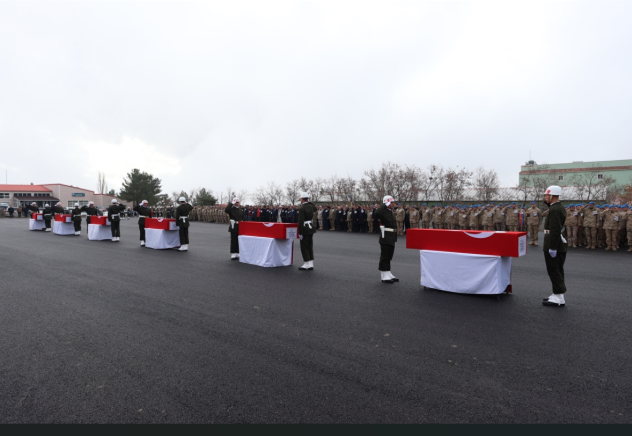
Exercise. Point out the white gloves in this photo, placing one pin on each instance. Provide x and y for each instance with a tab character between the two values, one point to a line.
300	237
553	253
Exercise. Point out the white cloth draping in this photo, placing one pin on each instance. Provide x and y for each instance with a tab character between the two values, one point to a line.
36	225
465	273
99	233
161	239
266	252
60	228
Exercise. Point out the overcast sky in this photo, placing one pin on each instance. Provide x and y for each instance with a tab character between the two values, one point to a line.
217	93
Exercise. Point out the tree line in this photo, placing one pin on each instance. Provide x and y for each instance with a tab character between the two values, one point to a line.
406	183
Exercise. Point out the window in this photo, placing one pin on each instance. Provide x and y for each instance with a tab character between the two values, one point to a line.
600	176
4	195
560	177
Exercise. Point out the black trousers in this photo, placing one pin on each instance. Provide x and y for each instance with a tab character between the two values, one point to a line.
307	247
386	255
234	243
47	223
141	228
77	226
116	229
555	268
183	232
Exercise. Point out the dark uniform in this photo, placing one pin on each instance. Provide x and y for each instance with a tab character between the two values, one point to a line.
90	211
76	218
58	210
553	241
31	208
48	215
386	218
307	228
145	212
114	215
235	214
182	221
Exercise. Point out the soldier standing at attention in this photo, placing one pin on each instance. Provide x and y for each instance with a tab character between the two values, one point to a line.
143	212
400	216
534	219
413	217
513	219
437	217
487	220
114	215
388	237
462	218
555	246
591	218
76	219
90	210
182	221
426	216
306	230
235	214
571	226
48	214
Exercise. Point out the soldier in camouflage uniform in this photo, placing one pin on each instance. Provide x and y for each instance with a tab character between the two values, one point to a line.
438	217
426	216
591	218
610	225
487	218
513	218
534	220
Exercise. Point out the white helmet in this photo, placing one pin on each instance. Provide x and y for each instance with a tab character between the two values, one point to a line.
34	204
304	194
58	203
554	190
91	203
114	201
144	202
236	200
181	199
388	200
47	205
76	204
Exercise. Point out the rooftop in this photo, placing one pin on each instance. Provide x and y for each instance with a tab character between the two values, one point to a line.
25	188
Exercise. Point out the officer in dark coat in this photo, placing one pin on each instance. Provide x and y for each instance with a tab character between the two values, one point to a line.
144	212
388	237
326	210
47	216
90	210
31	209
58	210
555	246
76	219
114	215
306	228
235	215
182	221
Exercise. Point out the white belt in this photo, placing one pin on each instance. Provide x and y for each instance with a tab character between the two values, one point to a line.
232	224
115	214
308	223
385	229
183	217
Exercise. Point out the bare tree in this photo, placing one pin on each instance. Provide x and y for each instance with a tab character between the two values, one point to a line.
329	189
452	183
292	190
487	184
102	184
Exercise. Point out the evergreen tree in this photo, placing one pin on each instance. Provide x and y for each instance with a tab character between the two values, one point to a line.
139	186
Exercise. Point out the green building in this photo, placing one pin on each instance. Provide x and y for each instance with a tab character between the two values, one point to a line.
614	172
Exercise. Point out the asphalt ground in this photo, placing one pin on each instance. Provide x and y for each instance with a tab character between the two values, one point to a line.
96	331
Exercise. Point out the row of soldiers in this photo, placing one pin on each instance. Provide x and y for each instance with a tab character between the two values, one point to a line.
588	225
596	226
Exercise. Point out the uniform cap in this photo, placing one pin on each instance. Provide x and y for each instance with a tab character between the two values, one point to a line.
144	202
181	199
92	203
387	200
114	201
513	202
304	194
533	202
76	204
47	205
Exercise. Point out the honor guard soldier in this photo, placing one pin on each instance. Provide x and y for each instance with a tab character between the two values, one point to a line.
58	210
143	212
90	210
114	215
235	214
306	230
388	237
555	246
182	221
76	219
31	209
48	215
